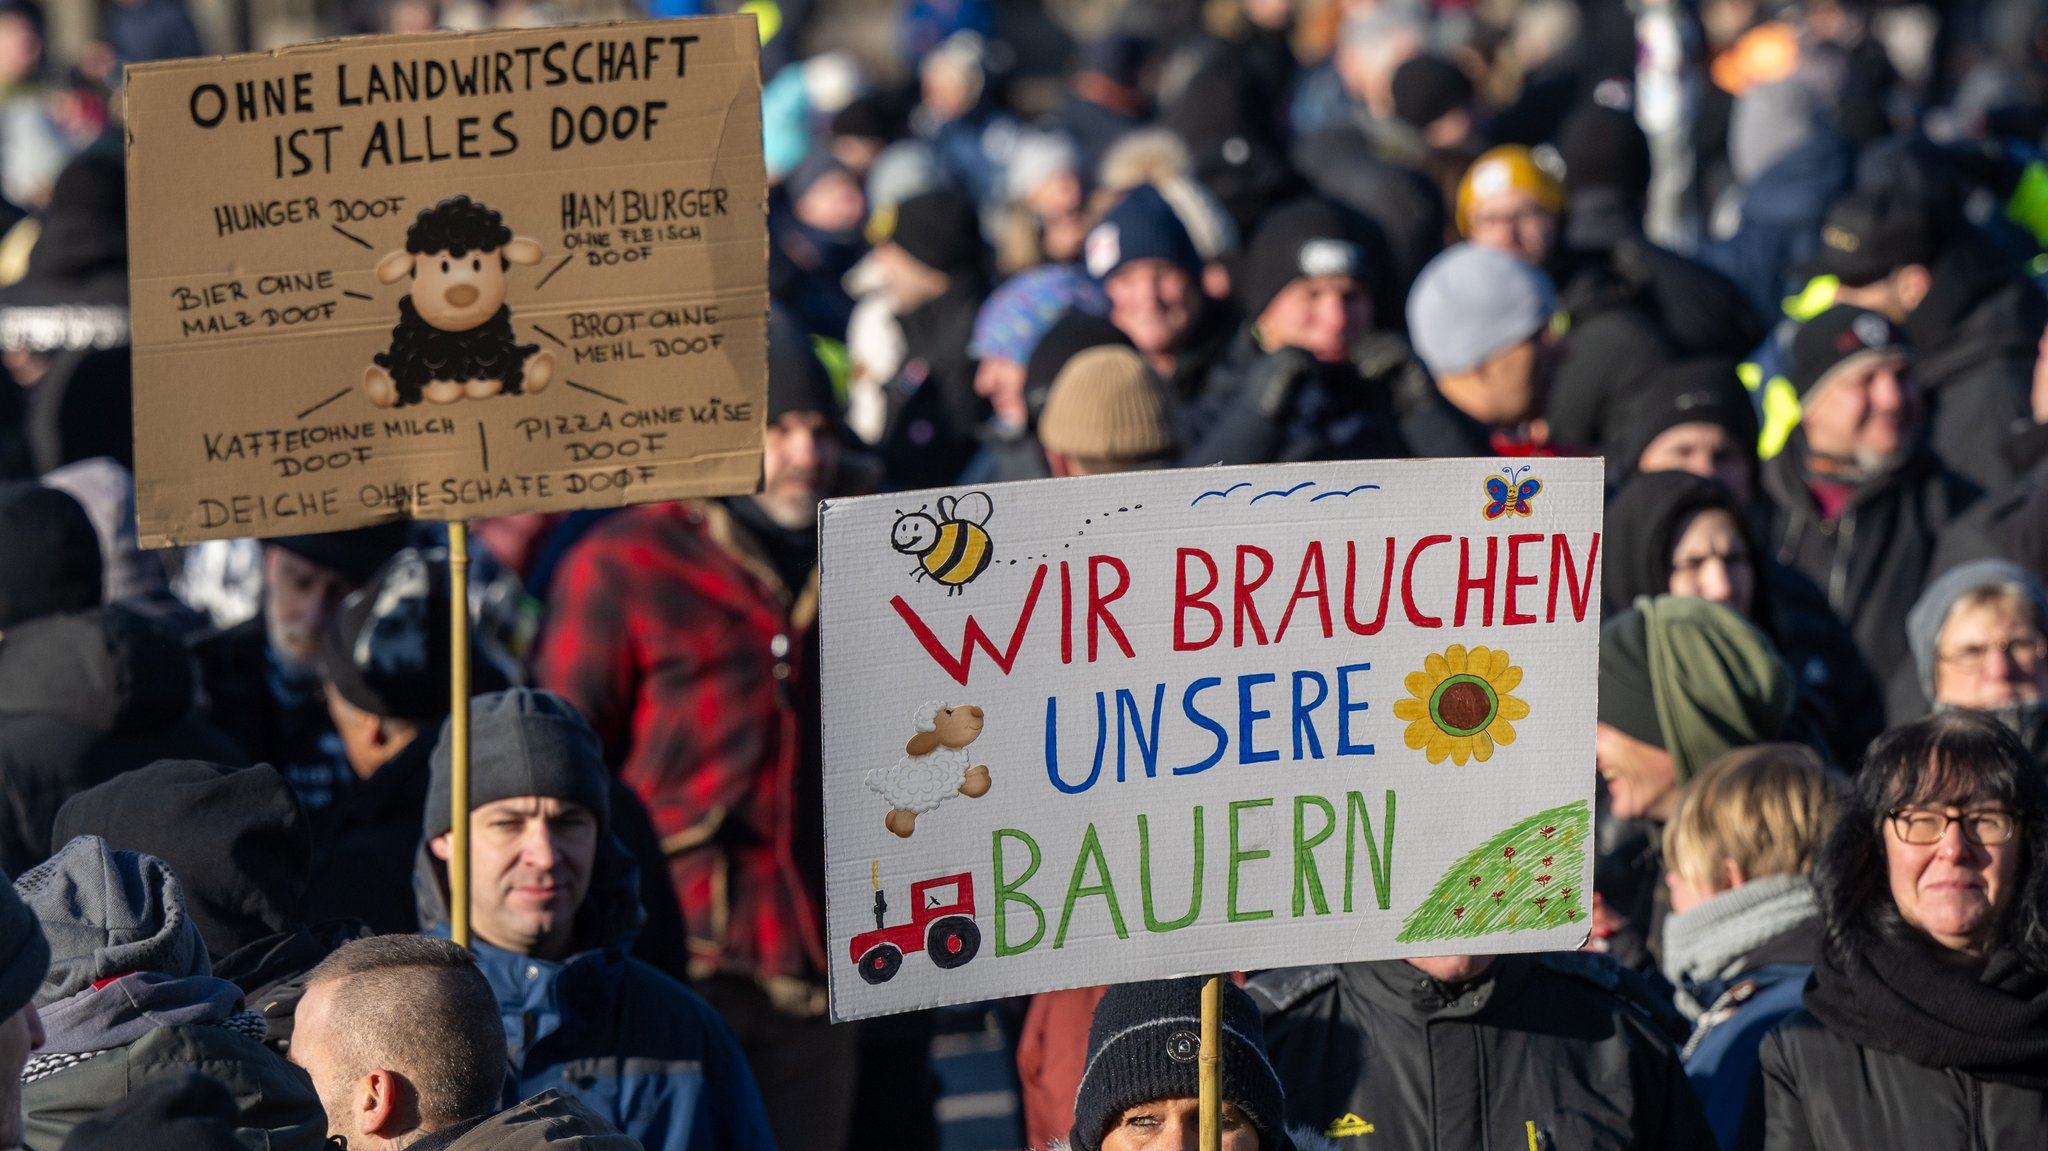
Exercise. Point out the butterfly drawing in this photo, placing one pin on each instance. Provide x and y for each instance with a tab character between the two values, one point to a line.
1510	496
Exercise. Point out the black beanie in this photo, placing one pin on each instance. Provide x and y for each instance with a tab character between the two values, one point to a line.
182	1109
868	117
1144	1045
51	554
1069	336
940	229
1604	147
1833	338
353	555
797	381
235	837
1705	391
522	742
1626	700
24	953
1307	237
1428	88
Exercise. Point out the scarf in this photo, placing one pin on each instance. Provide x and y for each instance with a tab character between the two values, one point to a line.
1898	996
1712	941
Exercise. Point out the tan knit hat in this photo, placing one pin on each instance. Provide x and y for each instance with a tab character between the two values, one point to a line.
1107	405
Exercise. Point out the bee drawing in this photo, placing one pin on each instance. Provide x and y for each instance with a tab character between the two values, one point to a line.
952	547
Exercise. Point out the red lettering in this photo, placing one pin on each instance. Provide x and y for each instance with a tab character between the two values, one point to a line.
1066	613
1241	604
1182	601
972	636
1351	588
1511	617
1098	604
1561	560
1484	582
1311	564
1415	615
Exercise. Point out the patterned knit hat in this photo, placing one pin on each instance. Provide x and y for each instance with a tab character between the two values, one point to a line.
1107	405
1144	1045
1016	315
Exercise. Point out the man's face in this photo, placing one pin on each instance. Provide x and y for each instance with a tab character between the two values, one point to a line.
799	462
20	1034
834	203
1513	222
1868	412
1987	657
1174	1125
1321	315
1705	450
1642	778
300	597
313	1049
1154	303
1516	381
21	50
530	863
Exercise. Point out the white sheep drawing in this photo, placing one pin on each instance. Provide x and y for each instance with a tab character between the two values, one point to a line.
935	766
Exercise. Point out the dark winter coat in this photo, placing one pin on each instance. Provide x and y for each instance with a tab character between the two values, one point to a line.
1568	1042
277	718
1284	407
635	1046
83	697
934	412
1975	338
1872	561
1781	220
363	857
550	1121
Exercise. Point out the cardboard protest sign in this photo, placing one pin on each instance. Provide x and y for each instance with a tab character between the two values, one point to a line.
1085	731
445	276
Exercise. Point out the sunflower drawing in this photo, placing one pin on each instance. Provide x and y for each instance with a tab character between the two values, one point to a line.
1458	706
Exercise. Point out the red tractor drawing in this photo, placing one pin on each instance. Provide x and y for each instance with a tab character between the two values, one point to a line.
941	925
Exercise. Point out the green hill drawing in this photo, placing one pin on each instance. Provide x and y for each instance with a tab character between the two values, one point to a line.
1525	879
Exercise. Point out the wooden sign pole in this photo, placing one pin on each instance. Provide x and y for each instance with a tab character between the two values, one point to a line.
458	730
1210	1066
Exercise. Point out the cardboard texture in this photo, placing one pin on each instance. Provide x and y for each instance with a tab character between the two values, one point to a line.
1085	731
319	346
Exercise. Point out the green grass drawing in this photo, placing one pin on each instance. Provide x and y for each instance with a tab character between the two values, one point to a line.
1527	878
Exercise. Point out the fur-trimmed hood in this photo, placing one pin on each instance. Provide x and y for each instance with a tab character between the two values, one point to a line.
1303	1139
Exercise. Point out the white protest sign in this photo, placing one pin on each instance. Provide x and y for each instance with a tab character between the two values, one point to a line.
1086	731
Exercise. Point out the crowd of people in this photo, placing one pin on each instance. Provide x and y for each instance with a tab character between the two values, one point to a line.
1781	264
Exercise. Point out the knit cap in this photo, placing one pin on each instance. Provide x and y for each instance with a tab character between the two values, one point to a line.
797	381
1837	339
1107	405
940	230
1705	391
1692	677
1930	611
1471	303
1145	1044
1017	315
522	742
1427	88
1143	226
24	954
1036	158
1498	171
354	555
1308	237
1605	147
107	913
52	554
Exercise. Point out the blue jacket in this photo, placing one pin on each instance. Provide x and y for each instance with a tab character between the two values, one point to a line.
1722	1054
629	1042
1782	214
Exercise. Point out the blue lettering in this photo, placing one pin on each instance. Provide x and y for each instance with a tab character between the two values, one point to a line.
1187	704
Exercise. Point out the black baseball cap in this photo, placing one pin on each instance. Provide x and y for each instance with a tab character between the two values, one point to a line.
1870	235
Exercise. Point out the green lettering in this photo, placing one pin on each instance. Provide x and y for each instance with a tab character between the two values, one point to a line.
1382	861
1091	848
1006	892
1152	922
1308	886
1237	857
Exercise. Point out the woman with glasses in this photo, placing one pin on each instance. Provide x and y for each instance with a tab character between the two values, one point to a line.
1978	642
1926	1022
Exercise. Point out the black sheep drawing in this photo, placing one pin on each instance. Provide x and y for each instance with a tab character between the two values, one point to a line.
454	335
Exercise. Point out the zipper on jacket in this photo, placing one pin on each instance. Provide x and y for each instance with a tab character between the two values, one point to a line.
1976	1099
1838	573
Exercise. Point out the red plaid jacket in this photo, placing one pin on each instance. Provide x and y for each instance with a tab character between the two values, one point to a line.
671	631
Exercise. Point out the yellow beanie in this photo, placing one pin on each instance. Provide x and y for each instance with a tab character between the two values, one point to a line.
1508	168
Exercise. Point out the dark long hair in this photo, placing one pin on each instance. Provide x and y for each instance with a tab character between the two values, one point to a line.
1944	759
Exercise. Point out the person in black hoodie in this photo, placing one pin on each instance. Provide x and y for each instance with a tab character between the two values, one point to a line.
933	271
1857	498
1926	1022
86	691
1967	305
237	840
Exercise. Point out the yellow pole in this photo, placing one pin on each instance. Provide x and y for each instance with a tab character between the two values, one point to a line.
1210	1066
458	730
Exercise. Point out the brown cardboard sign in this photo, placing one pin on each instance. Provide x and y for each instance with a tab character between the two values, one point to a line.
446	276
